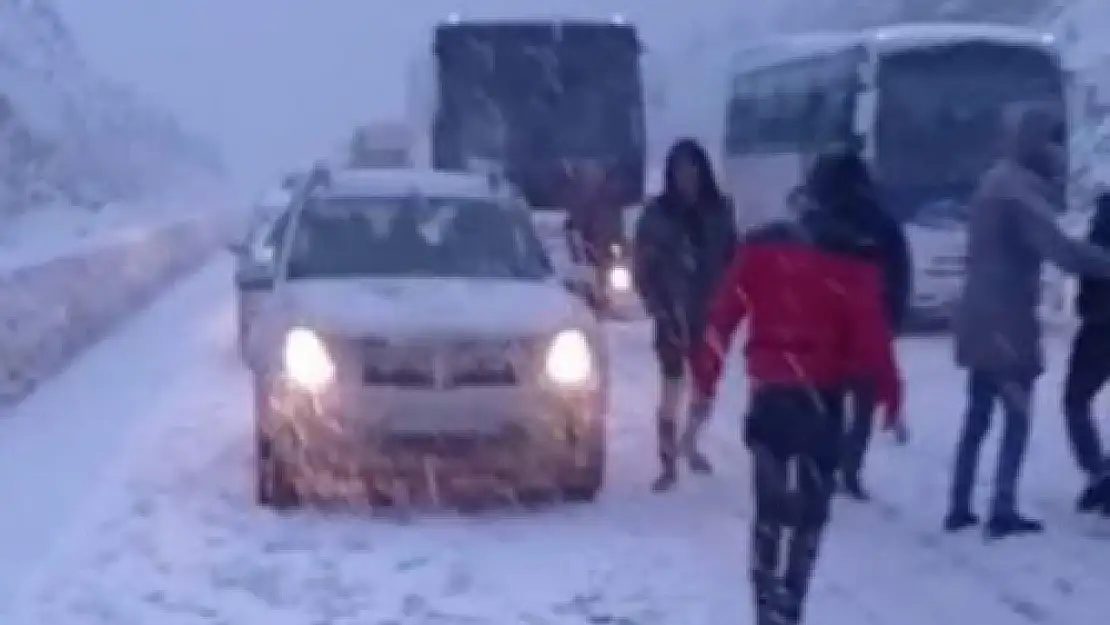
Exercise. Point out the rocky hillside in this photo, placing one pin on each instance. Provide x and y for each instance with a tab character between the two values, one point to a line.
67	135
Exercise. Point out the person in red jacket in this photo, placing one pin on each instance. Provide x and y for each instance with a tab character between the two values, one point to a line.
813	302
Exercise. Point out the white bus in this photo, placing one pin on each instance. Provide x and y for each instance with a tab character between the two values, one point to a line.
923	104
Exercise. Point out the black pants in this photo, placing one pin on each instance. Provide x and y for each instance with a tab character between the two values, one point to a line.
794	436
1088	371
861	423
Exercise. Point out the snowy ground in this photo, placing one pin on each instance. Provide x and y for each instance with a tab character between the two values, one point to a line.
151	428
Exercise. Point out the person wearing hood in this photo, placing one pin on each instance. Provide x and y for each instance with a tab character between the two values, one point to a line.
1088	372
684	241
1012	231
840	184
813	301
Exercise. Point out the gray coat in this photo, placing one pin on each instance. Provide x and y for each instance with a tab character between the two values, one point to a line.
1012	230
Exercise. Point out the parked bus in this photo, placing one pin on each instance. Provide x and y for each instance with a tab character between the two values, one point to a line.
532	97
923	103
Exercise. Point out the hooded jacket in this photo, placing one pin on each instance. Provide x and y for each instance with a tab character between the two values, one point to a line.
1012	230
813	303
681	250
841	185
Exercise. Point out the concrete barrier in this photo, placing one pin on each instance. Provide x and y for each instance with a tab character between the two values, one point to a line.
50	312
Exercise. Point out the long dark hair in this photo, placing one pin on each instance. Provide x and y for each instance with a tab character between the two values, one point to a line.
689	149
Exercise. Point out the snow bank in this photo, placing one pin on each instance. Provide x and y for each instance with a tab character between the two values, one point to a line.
52	309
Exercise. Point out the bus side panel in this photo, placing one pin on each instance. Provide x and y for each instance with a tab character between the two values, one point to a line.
760	185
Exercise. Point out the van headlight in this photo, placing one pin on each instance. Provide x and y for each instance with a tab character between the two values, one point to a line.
570	359
620	279
307	361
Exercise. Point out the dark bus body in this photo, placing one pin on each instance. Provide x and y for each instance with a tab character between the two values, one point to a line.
538	96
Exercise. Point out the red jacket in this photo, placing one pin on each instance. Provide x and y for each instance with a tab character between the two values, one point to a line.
814	306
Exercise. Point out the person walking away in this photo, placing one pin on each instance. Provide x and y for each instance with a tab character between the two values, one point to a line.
684	241
1012	231
841	184
1088	371
814	310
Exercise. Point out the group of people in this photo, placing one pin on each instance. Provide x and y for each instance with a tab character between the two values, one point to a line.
824	294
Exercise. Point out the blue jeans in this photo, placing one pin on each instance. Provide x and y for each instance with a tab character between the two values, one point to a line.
1015	395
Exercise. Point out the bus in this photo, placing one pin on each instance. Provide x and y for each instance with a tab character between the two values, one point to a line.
529	98
922	103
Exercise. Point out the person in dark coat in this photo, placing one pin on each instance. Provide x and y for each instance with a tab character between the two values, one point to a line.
813	303
684	241
1088	372
840	183
1012	231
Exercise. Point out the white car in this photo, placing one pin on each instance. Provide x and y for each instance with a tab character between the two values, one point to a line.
254	261
416	329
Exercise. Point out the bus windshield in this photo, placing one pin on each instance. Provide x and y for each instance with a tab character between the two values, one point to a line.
939	115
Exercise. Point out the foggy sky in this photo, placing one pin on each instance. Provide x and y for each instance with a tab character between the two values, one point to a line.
278	82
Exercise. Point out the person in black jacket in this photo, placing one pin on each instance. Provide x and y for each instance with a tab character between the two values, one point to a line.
840	183
1088	371
684	242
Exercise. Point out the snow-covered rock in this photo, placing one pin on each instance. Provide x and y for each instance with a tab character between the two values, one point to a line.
69	136
51	311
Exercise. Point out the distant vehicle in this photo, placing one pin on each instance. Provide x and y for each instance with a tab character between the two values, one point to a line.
532	97
923	104
380	145
416	327
254	258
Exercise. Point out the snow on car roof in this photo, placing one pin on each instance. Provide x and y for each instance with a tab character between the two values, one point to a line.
884	40
399	182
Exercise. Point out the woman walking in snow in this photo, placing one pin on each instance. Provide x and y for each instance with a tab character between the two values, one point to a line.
684	241
814	306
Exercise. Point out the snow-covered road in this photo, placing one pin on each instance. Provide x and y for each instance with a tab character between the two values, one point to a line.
127	502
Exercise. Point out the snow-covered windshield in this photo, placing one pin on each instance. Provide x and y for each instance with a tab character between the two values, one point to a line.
534	95
939	113
395	237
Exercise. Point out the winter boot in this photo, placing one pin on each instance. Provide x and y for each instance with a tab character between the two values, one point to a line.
688	445
667	426
958	520
1012	524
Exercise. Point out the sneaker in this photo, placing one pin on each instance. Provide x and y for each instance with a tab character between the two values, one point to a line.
1093	496
960	520
1007	525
